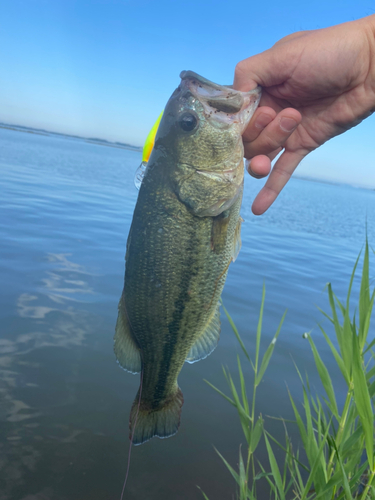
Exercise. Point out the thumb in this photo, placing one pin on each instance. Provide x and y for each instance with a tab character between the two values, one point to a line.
269	68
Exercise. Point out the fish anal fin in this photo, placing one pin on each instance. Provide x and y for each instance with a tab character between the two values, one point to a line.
208	340
162	422
237	240
126	350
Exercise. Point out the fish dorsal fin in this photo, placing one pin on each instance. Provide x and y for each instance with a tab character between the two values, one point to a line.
208	340
127	353
237	240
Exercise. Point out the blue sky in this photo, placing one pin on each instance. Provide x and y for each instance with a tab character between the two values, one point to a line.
106	68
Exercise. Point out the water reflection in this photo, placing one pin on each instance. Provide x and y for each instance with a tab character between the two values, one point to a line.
51	318
64	280
25	310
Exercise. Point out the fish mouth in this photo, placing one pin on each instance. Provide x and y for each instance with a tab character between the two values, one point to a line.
221	102
229	175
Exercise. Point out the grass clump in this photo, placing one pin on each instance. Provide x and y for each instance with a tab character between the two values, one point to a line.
338	443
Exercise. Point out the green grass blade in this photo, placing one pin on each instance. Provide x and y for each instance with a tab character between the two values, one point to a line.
343	333
338	328
243	478
362	401
267	355
294	458
367	320
364	298
275	470
348	331
259	330
221	393
243	387
352	443
351	281
245	418
312	449
336	481
268	479
345	482
203	493
324	377
256	434
341	307
234	328
229	467
338	358
368	348
326	315
300	424
371	389
313	473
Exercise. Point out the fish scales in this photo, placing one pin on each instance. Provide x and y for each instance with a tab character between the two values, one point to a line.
175	285
184	234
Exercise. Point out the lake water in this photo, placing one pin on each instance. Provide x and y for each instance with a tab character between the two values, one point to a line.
65	210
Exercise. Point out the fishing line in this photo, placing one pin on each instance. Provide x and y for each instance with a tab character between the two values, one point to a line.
136	417
131	439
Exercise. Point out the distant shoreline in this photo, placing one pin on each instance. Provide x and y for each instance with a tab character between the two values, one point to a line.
91	140
122	145
331	182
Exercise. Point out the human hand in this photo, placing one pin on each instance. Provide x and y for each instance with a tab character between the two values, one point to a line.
316	85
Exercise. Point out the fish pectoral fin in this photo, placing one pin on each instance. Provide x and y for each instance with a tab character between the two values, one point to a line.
208	340
126	350
219	231
237	240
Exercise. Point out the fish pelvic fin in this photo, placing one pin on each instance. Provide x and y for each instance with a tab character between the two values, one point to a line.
126	350
146	423
208	340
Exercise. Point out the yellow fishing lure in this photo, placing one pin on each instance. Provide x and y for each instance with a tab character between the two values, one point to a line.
147	149
150	141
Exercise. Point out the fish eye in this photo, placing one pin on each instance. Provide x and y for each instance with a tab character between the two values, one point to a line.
188	122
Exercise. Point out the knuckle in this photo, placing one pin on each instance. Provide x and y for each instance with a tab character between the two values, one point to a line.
240	70
270	144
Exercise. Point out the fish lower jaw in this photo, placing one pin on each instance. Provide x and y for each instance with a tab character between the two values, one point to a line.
234	175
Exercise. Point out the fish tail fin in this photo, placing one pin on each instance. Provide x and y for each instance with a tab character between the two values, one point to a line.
146	423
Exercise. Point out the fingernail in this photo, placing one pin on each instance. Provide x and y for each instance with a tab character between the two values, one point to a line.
288	124
248	168
262	121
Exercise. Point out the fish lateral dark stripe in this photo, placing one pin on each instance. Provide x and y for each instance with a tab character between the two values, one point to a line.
174	326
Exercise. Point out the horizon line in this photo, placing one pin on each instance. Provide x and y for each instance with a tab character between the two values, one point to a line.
98	140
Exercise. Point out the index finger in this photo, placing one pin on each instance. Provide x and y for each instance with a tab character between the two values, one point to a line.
279	176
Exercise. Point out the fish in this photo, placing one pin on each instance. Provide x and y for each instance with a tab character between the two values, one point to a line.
184	234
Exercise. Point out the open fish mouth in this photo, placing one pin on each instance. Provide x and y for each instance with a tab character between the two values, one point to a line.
222	102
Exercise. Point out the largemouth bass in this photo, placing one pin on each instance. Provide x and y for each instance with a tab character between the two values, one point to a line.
184	234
